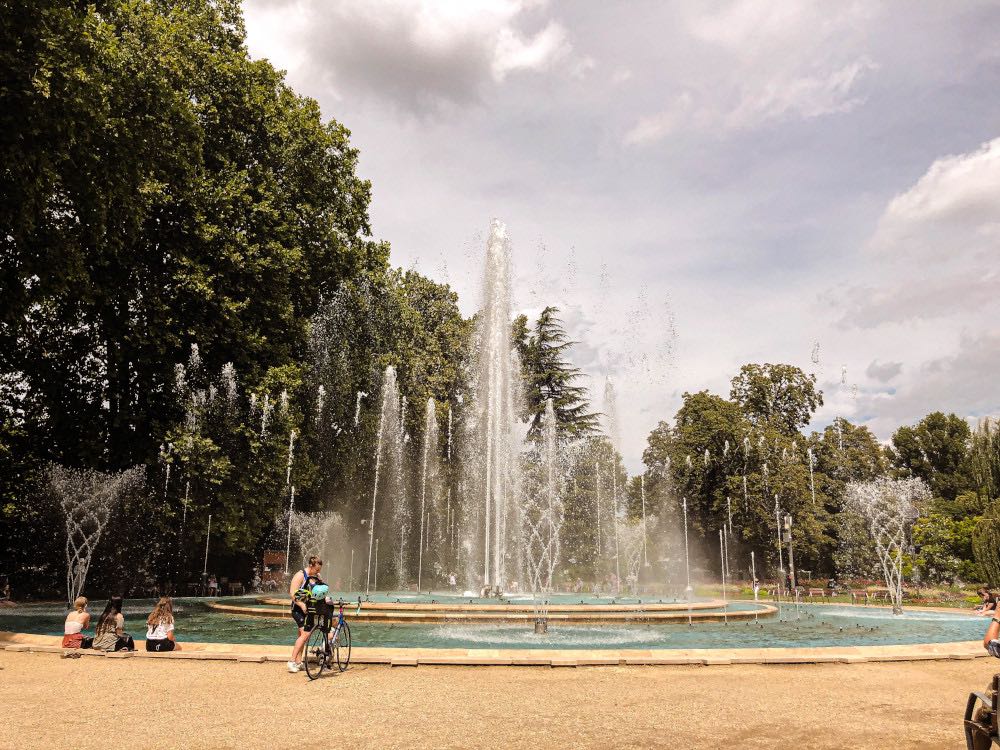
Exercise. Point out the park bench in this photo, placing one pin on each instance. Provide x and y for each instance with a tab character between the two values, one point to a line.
863	596
821	593
981	720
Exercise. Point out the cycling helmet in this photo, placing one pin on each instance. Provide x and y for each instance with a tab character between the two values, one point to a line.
320	590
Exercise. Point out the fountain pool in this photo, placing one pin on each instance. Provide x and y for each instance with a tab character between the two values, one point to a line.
812	626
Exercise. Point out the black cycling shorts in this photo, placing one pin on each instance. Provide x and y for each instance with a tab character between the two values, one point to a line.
304	621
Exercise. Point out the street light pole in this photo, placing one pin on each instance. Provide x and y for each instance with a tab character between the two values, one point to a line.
791	552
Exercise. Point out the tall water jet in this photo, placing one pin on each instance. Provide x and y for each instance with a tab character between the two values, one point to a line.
543	507
388	458
428	484
86	499
492	473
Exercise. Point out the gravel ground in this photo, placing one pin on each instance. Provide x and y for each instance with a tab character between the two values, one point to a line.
50	702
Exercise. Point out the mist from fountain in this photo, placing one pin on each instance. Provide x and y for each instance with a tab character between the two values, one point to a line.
314	531
87	499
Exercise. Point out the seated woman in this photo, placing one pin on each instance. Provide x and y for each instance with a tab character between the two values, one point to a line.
160	627
110	635
989	605
76	622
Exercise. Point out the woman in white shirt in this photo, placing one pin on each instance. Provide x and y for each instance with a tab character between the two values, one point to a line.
76	622
160	627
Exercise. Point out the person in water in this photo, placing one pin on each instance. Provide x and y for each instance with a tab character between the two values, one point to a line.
989	603
110	635
76	622
299	589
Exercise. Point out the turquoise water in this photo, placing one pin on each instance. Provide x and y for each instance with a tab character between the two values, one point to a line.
812	625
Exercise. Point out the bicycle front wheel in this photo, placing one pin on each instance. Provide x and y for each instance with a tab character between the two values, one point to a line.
342	647
316	654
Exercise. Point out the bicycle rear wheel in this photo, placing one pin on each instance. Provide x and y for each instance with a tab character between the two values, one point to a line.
342	647
316	656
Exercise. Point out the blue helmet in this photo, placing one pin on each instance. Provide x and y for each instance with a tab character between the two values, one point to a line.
320	590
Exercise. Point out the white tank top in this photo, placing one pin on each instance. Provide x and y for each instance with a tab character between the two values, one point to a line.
73	627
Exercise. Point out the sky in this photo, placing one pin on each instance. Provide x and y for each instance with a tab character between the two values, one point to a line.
695	185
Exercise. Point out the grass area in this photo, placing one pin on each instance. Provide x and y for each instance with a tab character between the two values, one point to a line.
945	597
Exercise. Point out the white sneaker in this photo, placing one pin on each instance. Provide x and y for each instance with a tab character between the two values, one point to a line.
294	666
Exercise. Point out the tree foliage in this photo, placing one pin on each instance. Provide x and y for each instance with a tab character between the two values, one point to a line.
549	374
935	450
782	395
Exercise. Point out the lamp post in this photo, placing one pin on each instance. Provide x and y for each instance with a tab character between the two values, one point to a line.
791	552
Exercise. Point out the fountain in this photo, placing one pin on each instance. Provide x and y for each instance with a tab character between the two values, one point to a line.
491	469
543	508
313	531
429	482
388	461
87	499
889	507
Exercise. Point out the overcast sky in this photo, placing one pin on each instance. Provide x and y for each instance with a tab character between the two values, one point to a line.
695	185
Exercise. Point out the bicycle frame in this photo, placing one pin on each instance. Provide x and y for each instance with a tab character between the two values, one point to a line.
332	633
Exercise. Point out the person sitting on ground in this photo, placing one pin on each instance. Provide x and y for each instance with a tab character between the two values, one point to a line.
110	635
76	622
299	589
989	605
160	627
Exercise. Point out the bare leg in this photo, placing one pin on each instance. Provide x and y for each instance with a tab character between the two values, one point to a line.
300	644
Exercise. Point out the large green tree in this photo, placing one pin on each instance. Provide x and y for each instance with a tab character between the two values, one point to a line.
935	450
782	395
161	188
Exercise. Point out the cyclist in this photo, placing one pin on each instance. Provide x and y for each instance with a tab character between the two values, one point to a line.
298	591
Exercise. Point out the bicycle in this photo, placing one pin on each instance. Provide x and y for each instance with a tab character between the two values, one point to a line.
328	643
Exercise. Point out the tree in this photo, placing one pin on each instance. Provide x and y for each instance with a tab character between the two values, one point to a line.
161	189
943	547
934	450
176	192
782	395
986	544
548	374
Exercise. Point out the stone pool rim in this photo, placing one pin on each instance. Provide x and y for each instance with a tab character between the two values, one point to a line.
449	612
412	656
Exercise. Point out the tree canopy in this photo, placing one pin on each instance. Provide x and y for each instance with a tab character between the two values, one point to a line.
549	374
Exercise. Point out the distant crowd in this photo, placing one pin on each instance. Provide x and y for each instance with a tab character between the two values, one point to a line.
110	633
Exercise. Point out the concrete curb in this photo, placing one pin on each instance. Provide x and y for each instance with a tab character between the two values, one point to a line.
413	657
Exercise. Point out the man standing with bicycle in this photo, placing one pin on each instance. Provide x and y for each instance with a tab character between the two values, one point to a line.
299	590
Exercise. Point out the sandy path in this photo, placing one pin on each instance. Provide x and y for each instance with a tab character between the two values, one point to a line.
49	702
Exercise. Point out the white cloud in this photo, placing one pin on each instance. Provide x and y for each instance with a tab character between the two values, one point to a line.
658	126
952	211
934	246
515	51
804	97
418	54
771	62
